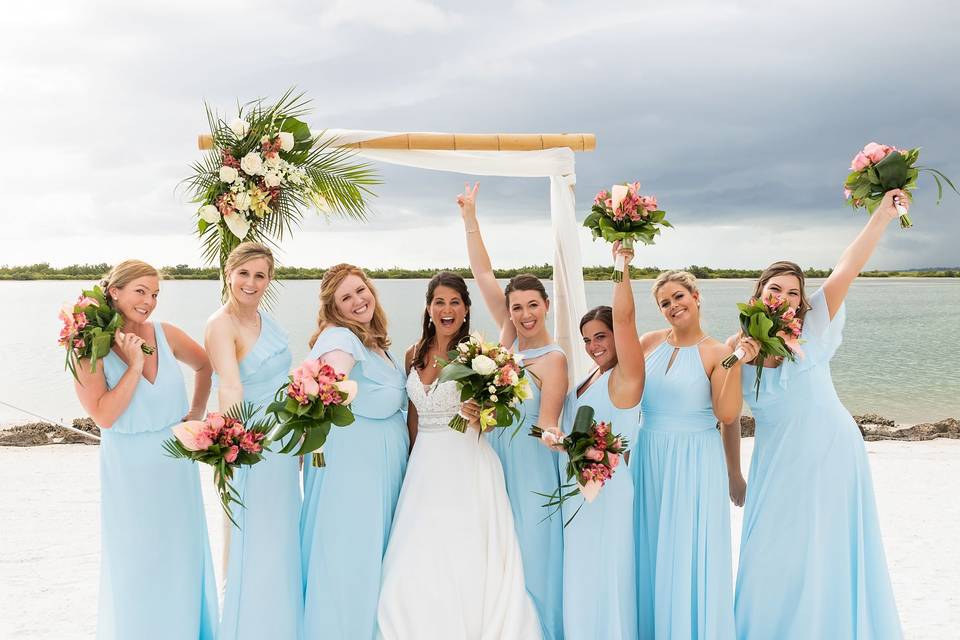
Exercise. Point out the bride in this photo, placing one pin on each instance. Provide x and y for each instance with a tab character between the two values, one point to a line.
452	568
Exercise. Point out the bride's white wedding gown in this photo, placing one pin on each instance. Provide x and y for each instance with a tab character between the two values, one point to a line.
452	568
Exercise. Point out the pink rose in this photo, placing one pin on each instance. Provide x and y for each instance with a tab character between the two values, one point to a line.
614	459
593	454
876	152
216	420
248	443
860	162
231	455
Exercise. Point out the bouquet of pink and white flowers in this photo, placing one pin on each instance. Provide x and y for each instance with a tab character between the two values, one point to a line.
265	167
593	453
89	327
225	442
625	215
315	398
492	376
776	328
878	168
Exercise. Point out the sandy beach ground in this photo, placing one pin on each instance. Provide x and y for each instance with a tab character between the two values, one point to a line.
49	536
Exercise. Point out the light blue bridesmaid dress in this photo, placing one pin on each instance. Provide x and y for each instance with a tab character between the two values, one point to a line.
530	467
348	505
264	585
811	556
156	575
684	558
599	561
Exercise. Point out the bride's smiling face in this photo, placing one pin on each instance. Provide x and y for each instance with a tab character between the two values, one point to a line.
447	311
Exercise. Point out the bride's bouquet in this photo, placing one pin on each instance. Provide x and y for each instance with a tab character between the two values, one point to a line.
315	398
89	329
492	376
593	453
775	327
625	215
878	168
225	442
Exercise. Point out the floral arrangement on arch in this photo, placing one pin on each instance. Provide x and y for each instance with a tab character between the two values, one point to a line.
264	170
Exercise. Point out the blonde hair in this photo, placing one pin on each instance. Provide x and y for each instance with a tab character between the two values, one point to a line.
123	274
684	278
373	335
243	253
784	268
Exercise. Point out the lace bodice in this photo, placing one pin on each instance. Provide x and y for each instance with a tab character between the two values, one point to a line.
435	403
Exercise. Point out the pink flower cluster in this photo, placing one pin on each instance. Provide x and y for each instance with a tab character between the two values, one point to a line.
315	380
632	205
871	154
74	322
597	470
508	375
229	433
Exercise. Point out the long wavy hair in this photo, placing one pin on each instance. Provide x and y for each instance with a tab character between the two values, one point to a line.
429	332
374	335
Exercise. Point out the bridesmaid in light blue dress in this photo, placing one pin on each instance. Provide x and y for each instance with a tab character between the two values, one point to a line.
684	559
263	595
156	575
348	505
528	467
599	560
812	563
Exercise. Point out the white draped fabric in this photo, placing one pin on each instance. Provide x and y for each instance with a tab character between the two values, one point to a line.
569	299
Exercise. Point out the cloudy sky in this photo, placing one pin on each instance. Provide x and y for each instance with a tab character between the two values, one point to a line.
741	117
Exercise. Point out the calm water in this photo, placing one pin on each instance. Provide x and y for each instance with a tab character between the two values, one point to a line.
898	357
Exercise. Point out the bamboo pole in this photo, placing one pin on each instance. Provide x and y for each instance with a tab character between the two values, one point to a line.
466	141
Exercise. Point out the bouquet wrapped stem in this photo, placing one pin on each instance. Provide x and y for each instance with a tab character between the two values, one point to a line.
625	215
879	168
593	453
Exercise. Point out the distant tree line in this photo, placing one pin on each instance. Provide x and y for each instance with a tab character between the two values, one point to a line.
43	271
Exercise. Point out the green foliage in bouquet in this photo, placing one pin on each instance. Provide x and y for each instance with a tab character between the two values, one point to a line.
265	169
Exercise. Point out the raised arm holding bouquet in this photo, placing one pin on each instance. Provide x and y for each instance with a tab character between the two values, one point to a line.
625	215
879	168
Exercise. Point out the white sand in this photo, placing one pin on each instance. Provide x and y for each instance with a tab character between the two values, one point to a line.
49	536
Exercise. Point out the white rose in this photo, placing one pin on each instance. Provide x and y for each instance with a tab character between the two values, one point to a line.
272	179
483	365
492	389
286	140
273	160
493	398
228	174
242	201
252	163
209	213
240	127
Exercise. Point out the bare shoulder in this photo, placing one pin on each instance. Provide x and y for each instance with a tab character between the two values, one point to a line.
652	338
